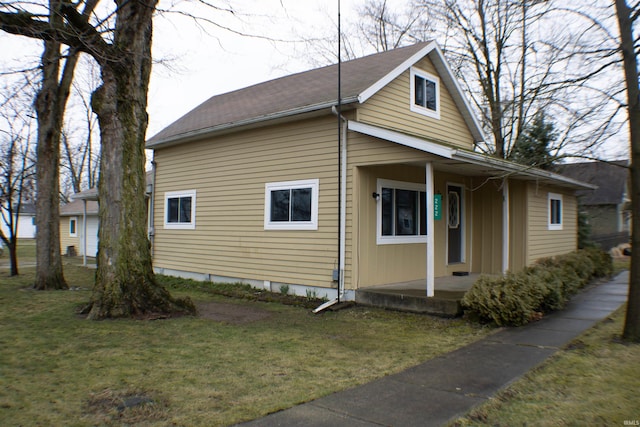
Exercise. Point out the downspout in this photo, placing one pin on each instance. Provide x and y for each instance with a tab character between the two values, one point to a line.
342	232
150	217
342	186
470	222
505	225
343	209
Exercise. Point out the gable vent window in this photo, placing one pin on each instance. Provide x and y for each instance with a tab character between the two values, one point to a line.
425	93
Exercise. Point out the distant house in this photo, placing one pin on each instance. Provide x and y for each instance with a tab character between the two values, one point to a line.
26	222
79	227
607	207
79	222
253	185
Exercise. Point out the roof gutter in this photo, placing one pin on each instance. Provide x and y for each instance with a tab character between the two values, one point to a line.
515	168
200	133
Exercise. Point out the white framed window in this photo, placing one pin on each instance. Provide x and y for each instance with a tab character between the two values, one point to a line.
401	212
291	205
555	211
425	93
73	226
180	210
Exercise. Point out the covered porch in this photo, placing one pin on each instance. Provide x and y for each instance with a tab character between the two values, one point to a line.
412	296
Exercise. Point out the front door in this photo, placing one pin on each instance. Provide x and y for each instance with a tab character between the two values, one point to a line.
454	224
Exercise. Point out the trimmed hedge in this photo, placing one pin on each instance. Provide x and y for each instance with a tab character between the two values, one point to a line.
518	298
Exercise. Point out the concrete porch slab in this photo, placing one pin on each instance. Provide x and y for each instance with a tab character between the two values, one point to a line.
412	296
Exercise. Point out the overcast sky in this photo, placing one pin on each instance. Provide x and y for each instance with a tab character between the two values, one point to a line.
197	60
207	61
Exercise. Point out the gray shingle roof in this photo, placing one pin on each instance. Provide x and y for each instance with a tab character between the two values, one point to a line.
312	88
611	179
76	208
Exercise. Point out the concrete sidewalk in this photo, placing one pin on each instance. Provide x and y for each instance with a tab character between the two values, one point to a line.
441	389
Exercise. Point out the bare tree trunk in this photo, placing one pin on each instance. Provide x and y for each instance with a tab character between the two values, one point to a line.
125	283
632	321
49	273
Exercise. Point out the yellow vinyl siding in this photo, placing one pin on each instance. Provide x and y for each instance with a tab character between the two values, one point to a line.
390	108
66	239
517	225
229	175
487	227
543	242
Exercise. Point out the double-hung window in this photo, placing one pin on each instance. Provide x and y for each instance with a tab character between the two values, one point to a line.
555	211
291	205
425	93
401	214
180	209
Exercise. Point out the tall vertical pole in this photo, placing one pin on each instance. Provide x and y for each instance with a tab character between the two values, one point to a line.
340	224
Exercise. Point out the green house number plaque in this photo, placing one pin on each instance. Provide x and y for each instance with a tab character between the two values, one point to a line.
437	206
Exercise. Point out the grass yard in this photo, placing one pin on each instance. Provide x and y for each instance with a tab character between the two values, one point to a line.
58	369
593	382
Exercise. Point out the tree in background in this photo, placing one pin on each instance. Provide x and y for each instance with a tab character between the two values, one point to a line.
518	58
125	284
626	20
80	156
50	104
16	164
535	143
378	28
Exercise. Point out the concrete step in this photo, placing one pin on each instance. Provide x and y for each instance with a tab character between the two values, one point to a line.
444	303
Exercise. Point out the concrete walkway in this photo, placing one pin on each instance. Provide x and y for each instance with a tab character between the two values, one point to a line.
441	389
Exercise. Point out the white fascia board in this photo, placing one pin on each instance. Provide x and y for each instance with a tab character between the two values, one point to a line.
402	139
461	100
373	89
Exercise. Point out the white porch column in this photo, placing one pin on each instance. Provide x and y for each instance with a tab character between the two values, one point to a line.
430	228
505	225
84	232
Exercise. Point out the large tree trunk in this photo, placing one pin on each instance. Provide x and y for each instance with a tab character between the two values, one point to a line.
48	258
125	284
632	321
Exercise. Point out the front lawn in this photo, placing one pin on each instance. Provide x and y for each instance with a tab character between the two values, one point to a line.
242	361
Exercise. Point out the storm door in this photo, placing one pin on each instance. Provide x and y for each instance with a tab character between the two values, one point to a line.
455	236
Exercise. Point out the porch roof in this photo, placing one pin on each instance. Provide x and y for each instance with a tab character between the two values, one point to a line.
466	162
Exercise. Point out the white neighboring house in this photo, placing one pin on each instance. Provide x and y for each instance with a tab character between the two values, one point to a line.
79	226
26	222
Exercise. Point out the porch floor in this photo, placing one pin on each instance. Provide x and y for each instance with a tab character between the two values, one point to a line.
412	296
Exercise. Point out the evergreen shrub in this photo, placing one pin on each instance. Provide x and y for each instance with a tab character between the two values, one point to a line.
518	298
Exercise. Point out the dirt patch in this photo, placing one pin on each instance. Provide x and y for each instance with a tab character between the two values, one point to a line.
112	407
231	313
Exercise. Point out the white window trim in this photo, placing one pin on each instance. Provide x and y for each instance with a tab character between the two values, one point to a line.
396	240
417	108
184	225
555	196
75	219
314	184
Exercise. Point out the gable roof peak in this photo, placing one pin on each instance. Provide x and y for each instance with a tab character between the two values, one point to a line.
308	91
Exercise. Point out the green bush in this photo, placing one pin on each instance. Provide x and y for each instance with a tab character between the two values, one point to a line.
516	298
